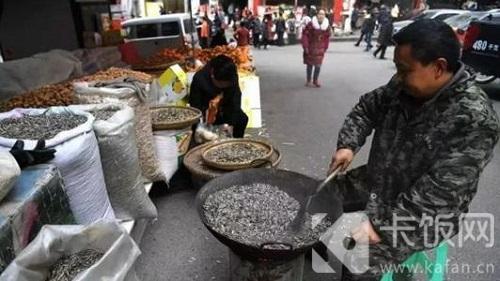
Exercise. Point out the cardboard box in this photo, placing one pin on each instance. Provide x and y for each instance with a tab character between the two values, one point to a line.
250	99
173	83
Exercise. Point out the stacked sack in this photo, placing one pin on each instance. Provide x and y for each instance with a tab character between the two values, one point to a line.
77	158
115	131
133	93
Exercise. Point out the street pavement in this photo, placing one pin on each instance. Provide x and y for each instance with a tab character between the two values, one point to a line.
303	123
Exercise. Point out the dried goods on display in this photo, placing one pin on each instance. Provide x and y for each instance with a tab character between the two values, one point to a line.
35	127
172	114
240	56
115	73
257	214
68	267
120	160
134	95
77	156
50	95
236	153
62	94
104	114
163	57
174	117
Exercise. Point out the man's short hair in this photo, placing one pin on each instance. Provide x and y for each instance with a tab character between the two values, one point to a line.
430	40
223	68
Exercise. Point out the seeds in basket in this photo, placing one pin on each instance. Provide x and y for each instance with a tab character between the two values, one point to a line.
67	267
236	153
258	213
44	126
172	114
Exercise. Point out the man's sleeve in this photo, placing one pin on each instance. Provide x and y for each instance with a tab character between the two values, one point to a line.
361	121
432	209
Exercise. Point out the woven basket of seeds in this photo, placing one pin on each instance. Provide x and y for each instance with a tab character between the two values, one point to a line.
201	172
236	154
174	117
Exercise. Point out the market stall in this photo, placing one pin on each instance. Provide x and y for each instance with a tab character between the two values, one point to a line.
115	132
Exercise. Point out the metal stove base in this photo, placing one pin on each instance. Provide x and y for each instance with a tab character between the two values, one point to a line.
265	270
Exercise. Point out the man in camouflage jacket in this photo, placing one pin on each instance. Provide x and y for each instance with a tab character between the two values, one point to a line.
434	132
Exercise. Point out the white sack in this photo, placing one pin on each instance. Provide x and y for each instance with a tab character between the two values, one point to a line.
54	241
120	162
79	162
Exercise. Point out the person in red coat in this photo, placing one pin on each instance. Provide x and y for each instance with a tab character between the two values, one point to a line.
315	41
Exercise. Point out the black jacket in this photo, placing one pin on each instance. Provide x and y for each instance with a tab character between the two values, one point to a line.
203	91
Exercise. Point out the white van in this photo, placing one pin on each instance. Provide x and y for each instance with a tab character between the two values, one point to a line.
150	35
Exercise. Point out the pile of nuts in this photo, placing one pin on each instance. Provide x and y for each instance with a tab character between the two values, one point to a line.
62	94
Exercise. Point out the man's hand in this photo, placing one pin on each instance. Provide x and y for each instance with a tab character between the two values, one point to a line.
365	233
342	158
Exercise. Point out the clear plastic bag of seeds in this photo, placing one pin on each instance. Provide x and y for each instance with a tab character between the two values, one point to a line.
117	253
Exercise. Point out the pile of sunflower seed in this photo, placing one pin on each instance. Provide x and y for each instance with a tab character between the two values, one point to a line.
104	114
236	153
171	115
67	267
44	126
256	214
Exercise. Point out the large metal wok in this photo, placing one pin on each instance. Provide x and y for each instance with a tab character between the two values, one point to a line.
295	184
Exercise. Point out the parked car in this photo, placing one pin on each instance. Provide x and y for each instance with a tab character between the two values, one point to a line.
439	14
481	48
461	22
149	35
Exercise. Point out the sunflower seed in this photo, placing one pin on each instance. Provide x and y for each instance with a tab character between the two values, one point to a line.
104	114
44	126
256	214
236	153
67	267
172	114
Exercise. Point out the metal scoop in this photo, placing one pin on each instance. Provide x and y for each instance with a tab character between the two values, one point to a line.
298	222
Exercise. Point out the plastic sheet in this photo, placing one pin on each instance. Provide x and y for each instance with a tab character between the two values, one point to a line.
20	76
37	198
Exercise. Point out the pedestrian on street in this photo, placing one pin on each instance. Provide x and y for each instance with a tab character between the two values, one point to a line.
242	35
434	132
268	31
230	13
304	21
315	42
281	29
367	32
205	32
257	29
384	36
291	25
218	32
354	19
216	87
